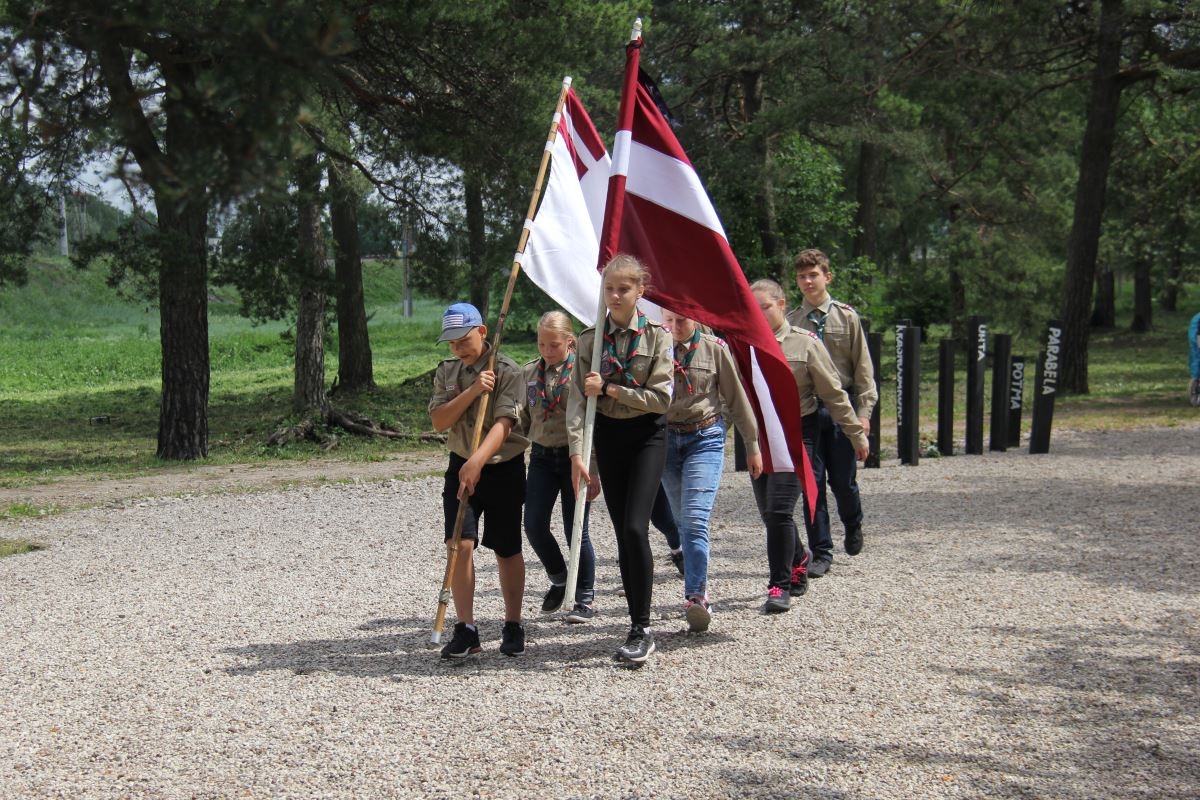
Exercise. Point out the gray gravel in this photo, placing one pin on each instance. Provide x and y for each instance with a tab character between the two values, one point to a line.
1016	626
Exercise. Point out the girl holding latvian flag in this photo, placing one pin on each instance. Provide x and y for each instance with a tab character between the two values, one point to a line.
632	386
706	381
544	418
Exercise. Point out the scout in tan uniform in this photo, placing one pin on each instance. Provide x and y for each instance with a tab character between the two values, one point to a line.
632	387
491	480
840	328
777	493
706	381
544	418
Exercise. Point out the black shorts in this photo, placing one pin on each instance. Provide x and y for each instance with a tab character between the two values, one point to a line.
498	499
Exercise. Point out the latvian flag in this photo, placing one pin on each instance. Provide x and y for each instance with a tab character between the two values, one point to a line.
658	210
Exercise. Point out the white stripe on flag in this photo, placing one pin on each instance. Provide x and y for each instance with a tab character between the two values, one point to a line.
670	183
781	458
620	153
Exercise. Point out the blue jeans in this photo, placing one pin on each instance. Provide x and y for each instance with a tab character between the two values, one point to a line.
833	463
549	478
695	462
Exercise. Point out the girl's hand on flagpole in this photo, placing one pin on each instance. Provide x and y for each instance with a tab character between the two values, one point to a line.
593	385
579	474
486	381
593	486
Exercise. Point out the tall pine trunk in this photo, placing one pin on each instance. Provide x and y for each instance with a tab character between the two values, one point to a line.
866	217
308	394
183	327
1104	314
1094	160
182	297
764	191
1143	308
1176	231
355	369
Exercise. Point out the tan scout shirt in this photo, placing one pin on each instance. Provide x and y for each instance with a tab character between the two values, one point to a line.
548	431
651	368
453	377
715	384
816	377
847	345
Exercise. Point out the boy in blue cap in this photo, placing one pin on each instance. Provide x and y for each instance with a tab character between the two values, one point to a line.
491	479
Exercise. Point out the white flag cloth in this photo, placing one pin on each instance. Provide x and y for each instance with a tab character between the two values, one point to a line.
560	255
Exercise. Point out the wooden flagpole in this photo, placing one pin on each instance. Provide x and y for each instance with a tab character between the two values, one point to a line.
439	620
589	415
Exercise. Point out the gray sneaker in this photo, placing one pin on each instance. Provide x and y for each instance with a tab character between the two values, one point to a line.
581	613
638	645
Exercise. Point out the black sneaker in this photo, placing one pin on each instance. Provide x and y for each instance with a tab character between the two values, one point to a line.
554	598
799	583
512	639
854	540
819	565
677	560
778	601
638	645
464	643
581	613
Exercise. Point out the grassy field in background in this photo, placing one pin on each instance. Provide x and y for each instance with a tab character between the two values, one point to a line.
79	378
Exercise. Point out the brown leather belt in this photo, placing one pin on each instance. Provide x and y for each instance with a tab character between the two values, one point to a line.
692	427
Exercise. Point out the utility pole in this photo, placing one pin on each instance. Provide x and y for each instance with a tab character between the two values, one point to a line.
406	243
63	249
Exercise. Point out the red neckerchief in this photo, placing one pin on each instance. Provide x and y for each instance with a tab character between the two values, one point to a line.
681	365
621	365
556	392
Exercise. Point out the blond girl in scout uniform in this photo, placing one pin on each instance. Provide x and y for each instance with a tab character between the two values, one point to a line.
632	386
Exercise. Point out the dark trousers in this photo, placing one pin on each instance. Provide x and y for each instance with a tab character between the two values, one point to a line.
630	454
776	495
662	518
834	464
549	479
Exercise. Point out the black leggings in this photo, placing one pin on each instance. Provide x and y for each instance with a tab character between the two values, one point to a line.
776	495
631	454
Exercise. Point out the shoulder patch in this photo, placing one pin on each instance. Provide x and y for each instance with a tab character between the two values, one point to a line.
845	306
808	333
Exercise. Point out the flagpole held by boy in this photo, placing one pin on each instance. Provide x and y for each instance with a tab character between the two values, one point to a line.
453	545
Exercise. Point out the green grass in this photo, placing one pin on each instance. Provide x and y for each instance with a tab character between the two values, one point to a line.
13	547
79	378
80	372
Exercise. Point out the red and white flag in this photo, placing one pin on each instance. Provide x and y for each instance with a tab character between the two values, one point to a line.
658	210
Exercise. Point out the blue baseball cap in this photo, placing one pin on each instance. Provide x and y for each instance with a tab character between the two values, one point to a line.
458	320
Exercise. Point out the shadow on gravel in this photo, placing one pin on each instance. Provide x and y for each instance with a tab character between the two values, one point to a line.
1140	536
550	646
1129	697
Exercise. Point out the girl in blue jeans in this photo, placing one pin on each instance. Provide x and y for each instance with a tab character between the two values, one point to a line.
706	382
543	417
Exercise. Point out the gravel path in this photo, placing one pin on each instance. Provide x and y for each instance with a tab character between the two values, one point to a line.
1017	626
